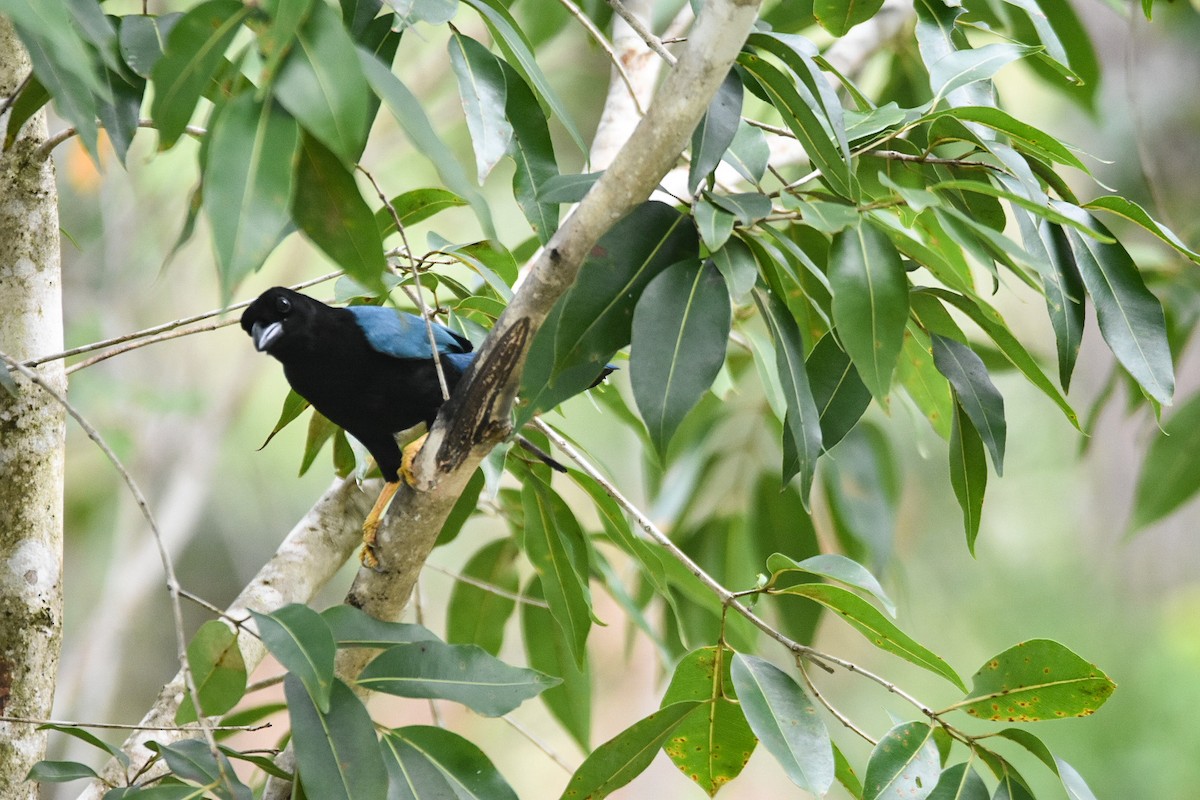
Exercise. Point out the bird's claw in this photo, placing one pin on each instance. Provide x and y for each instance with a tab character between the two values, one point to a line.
369	555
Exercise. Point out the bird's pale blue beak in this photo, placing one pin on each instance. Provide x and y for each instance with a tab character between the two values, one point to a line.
265	335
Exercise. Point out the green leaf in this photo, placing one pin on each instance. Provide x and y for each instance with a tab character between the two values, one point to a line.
218	670
436	763
1023	135
415	206
748	153
119	114
410	114
714	224
709	748
904	764
798	115
862	493
482	88
143	39
839	16
968	472
1036	680
716	130
680	328
555	545
737	265
1062	286
464	508
881	631
994	326
1131	318
532	151
60	772
1122	207
466	674
870	303
1073	782
84	735
519	53
824	216
748	207
963	67
63	63
927	388
30	99
248	184
625	756
337	754
322	84
570	702
195	48
320	431
329	209
976	394
845	774
1169	477
802	423
570	188
840	395
595	318
433	12
301	641
835	567
353	627
959	782
191	760
476	615
786	721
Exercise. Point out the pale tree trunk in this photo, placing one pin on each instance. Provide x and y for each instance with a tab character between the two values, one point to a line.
32	433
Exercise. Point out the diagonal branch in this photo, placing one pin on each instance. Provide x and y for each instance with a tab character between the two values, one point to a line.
477	417
307	559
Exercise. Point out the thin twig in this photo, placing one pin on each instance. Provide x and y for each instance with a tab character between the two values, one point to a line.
416	276
539	744
173	587
265	683
815	692
47	147
12	98
140	343
607	47
726	597
166	326
121	727
652	41
489	587
240	624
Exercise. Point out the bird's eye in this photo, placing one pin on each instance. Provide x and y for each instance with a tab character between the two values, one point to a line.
283	305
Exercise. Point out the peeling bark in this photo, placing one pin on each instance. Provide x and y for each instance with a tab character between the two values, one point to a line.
32	439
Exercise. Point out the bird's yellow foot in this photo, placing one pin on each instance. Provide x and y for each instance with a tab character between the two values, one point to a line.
408	455
368	556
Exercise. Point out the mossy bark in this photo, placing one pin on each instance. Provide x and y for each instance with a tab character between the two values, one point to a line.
32	437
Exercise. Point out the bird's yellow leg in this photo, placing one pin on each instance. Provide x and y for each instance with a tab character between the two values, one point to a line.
371	523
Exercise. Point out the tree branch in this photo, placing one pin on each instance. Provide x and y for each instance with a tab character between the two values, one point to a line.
307	559
477	416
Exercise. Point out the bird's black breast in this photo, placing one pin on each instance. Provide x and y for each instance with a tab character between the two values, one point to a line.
369	394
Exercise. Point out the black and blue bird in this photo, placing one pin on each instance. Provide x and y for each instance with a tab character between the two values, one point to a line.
368	369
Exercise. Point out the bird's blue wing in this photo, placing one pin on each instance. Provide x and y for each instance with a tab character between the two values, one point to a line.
402	335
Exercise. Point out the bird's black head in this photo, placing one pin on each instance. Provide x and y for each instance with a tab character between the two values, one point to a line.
278	319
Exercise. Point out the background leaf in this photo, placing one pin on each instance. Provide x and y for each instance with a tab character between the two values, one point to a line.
680	327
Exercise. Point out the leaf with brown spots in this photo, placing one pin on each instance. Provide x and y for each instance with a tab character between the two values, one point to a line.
710	748
1036	680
